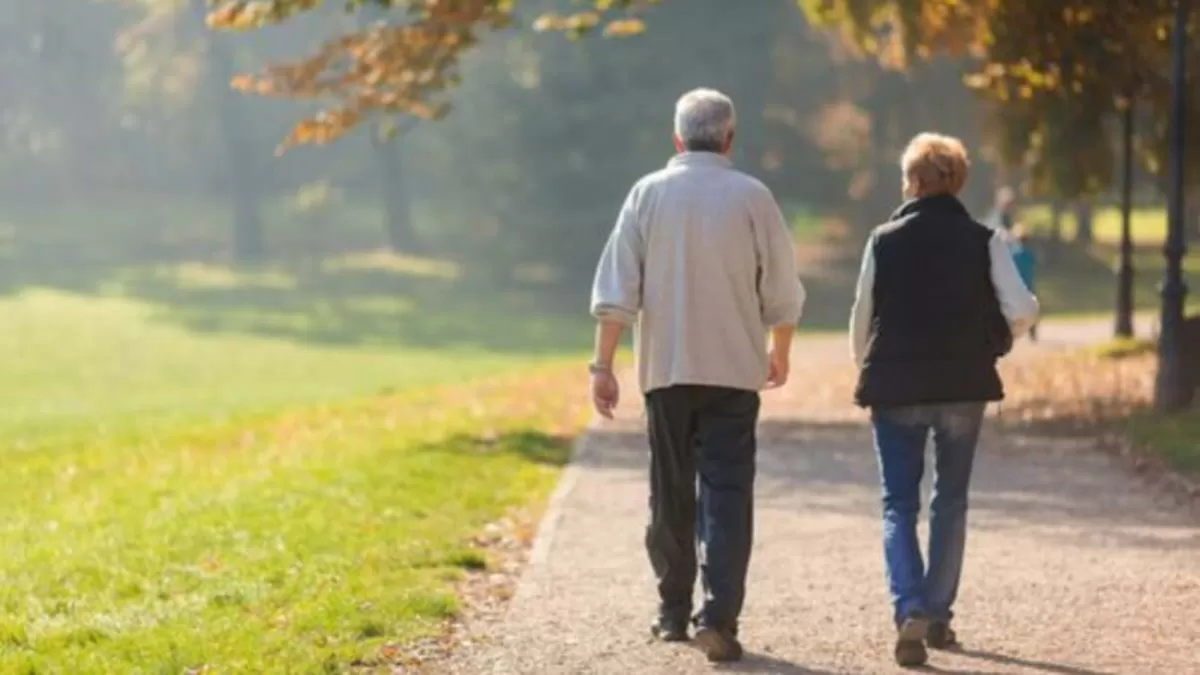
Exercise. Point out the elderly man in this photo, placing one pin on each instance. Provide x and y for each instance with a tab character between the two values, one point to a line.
702	262
939	302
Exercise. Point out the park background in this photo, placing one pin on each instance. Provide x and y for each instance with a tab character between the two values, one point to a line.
258	407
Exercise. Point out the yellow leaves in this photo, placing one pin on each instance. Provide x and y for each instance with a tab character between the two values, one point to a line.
977	81
403	68
895	32
583	22
250	14
323	127
1076	387
1021	80
546	23
575	24
250	85
1078	15
624	28
387	69
239	15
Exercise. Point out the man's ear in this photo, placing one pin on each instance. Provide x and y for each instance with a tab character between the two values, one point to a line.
679	147
729	142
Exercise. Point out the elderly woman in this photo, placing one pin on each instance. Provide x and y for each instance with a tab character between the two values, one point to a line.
939	301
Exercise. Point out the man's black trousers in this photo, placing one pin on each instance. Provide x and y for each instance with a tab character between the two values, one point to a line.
702	465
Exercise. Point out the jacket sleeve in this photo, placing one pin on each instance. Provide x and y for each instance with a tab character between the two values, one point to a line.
617	290
863	310
781	294
1019	306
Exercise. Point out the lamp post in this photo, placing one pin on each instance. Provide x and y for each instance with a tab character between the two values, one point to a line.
1169	391
1124	322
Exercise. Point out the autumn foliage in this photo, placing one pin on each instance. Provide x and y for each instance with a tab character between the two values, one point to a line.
403	63
1055	74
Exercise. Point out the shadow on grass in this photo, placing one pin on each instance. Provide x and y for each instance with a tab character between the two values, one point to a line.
380	303
375	307
152	254
533	446
341	292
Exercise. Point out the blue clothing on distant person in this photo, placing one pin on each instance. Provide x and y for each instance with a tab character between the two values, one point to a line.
1026	261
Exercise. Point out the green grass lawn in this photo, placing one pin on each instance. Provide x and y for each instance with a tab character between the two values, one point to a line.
1081	280
260	472
1148	224
108	365
1175	437
1078	279
300	543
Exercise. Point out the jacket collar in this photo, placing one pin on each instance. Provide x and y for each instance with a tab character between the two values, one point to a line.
700	159
944	204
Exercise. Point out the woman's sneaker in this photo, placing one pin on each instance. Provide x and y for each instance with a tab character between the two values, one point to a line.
910	641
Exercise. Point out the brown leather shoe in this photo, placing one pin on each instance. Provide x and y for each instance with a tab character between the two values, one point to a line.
941	636
910	642
720	645
666	630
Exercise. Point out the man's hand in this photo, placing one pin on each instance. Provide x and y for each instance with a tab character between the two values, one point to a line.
778	368
779	362
606	392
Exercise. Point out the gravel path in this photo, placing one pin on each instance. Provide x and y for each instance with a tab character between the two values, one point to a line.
1073	567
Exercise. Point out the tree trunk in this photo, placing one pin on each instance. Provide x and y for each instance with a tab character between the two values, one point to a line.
240	177
1056	221
1054	243
393	192
1084	218
1123	326
397	211
249	242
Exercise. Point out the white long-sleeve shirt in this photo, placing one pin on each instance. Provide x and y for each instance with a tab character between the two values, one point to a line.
702	262
1017	303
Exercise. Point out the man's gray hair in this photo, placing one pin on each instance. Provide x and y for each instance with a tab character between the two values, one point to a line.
703	120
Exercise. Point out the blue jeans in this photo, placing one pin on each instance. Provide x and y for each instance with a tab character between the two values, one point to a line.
900	437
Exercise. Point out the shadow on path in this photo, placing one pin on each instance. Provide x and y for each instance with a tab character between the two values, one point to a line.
1045	485
1028	665
755	662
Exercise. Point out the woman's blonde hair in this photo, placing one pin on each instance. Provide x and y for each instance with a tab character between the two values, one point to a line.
934	164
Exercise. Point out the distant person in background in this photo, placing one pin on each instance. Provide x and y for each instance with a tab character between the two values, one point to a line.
939	301
703	263
1002	216
1025	259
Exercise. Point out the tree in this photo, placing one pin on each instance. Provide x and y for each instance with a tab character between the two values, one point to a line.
1058	73
393	186
240	178
405	67
568	127
1069	63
